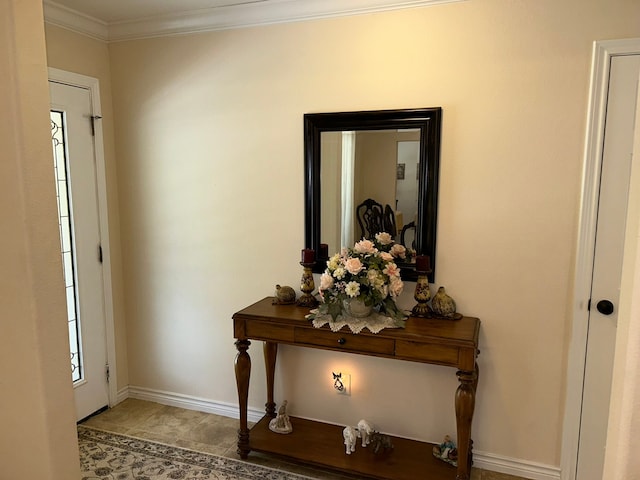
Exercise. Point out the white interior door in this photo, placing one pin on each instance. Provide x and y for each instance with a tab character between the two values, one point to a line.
75	165
607	266
407	189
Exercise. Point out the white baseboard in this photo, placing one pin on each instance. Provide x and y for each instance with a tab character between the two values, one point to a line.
192	403
121	396
484	460
515	466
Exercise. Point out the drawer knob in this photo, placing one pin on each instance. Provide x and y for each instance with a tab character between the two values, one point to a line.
342	341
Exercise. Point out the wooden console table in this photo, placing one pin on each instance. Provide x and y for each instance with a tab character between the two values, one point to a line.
440	342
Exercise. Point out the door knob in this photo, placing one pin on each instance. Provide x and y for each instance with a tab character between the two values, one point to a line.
605	307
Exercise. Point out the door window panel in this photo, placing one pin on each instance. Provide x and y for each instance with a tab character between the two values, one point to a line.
58	139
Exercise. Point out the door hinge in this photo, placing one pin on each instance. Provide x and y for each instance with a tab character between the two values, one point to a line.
93	124
589	305
100	253
107	372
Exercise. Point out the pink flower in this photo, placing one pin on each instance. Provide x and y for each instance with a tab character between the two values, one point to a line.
364	246
386	256
326	282
353	266
398	250
392	270
395	286
384	238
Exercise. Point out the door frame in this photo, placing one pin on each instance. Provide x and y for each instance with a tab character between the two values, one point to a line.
93	85
603	51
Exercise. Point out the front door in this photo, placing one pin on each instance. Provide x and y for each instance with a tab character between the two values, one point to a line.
75	169
607	266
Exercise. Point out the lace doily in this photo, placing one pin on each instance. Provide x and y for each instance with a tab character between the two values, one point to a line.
374	322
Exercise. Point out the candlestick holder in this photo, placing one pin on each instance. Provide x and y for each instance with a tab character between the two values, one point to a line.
422	295
307	286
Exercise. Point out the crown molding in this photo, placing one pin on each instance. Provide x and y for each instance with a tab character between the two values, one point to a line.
73	20
221	18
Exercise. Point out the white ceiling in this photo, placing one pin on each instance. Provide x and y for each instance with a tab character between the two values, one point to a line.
114	20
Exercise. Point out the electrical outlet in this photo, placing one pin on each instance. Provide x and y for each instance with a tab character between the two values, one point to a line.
342	383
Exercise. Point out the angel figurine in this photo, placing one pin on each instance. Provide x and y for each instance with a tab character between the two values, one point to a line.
281	424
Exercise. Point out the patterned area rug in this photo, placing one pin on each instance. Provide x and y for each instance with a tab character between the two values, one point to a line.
109	456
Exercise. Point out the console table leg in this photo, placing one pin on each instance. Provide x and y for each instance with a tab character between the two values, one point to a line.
270	354
243	372
465	404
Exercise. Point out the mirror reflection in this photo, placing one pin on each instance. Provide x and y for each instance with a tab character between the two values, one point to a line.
370	184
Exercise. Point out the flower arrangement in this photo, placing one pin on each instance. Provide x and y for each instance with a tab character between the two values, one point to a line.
367	272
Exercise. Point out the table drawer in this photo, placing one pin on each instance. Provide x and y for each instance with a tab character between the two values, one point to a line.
427	352
345	341
269	331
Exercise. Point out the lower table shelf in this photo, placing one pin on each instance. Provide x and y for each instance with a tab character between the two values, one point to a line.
321	444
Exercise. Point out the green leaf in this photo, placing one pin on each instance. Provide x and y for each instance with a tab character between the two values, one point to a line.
334	309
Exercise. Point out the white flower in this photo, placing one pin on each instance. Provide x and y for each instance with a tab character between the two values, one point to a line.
339	273
353	289
372	275
333	262
377	282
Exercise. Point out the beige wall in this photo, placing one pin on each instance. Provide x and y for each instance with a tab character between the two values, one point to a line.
376	155
210	169
37	416
331	181
214	216
376	166
79	54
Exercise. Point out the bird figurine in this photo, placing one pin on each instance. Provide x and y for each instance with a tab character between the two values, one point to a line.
443	305
284	295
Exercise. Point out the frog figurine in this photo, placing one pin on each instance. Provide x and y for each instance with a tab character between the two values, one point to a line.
284	295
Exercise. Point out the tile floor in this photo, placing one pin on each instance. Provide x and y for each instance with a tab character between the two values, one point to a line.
207	433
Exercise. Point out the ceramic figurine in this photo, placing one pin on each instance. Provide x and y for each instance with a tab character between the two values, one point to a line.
365	430
380	442
284	295
446	451
281	424
350	435
443	305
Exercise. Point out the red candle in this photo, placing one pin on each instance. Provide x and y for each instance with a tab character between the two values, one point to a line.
324	250
422	263
308	255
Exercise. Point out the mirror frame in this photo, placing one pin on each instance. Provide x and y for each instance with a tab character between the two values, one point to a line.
428	121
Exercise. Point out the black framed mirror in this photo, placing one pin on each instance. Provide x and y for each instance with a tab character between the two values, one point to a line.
384	152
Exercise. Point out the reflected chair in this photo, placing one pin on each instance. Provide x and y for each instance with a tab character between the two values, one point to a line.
389	221
370	218
406	229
